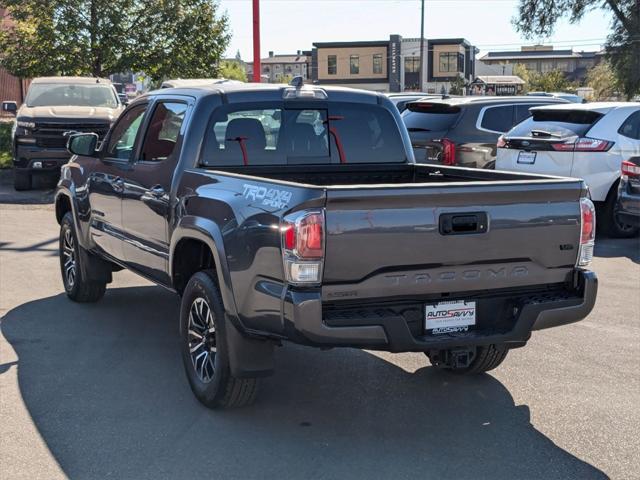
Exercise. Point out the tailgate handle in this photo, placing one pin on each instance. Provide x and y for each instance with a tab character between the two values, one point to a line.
463	223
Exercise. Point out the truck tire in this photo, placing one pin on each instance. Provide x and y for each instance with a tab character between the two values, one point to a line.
487	358
204	347
21	180
608	218
78	288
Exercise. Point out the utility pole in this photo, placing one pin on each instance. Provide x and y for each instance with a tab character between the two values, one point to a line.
257	68
421	48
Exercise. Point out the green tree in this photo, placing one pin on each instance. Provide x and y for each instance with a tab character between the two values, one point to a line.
553	81
232	70
521	71
457	86
163	38
539	17
604	82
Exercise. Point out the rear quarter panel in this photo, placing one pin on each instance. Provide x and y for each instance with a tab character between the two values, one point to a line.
246	213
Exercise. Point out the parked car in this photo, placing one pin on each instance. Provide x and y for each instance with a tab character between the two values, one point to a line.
332	237
628	207
570	97
54	107
400	100
464	130
587	141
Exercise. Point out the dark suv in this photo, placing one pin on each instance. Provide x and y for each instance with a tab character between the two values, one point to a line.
464	130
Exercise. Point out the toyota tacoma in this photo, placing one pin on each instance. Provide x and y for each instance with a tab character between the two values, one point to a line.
297	213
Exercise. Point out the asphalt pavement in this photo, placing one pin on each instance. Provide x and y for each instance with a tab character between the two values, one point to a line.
98	391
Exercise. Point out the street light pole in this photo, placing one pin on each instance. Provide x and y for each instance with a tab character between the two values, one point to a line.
420	76
257	69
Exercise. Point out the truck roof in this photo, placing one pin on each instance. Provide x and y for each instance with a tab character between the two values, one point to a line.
87	80
270	91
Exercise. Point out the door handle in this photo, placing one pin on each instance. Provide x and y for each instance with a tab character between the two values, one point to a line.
157	191
463	223
118	184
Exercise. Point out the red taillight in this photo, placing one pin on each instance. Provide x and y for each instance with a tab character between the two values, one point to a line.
304	235
630	169
309	235
448	152
501	142
588	231
583	145
303	247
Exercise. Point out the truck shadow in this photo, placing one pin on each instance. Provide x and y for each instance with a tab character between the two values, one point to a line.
618	247
104	386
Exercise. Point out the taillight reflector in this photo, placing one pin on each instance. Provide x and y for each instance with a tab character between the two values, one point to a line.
303	247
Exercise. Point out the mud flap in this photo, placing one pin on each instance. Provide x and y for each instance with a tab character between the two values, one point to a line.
94	268
248	357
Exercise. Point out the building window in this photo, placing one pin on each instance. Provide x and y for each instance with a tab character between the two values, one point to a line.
449	62
546	66
377	63
332	64
563	65
354	64
411	64
265	70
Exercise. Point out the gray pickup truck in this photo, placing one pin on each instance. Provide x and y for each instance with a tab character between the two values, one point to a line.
298	213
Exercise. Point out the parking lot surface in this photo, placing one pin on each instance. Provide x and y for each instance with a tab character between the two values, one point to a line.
98	391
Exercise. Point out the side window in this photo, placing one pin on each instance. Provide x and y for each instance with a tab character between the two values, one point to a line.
631	126
498	119
522	112
124	134
163	130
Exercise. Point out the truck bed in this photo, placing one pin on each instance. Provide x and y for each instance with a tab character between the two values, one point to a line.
363	174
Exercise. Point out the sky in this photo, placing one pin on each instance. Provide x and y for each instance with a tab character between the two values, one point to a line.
291	25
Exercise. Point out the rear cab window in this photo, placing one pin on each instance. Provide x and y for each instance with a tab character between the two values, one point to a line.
556	123
279	133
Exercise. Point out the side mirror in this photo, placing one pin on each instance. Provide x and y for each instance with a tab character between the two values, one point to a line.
10	107
83	144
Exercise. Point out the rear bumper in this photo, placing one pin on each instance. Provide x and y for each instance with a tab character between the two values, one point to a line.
306	322
628	208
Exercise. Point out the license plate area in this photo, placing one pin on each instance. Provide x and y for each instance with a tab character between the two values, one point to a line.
528	158
449	317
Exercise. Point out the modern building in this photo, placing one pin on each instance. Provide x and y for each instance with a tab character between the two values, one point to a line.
545	58
283	67
393	65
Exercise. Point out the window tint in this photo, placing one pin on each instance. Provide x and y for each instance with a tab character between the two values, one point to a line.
312	136
561	123
631	127
521	112
124	133
255	137
365	134
498	119
163	130
429	121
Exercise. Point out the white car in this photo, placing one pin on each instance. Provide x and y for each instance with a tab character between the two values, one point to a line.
587	141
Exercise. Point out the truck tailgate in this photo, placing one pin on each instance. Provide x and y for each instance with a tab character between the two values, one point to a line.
388	241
